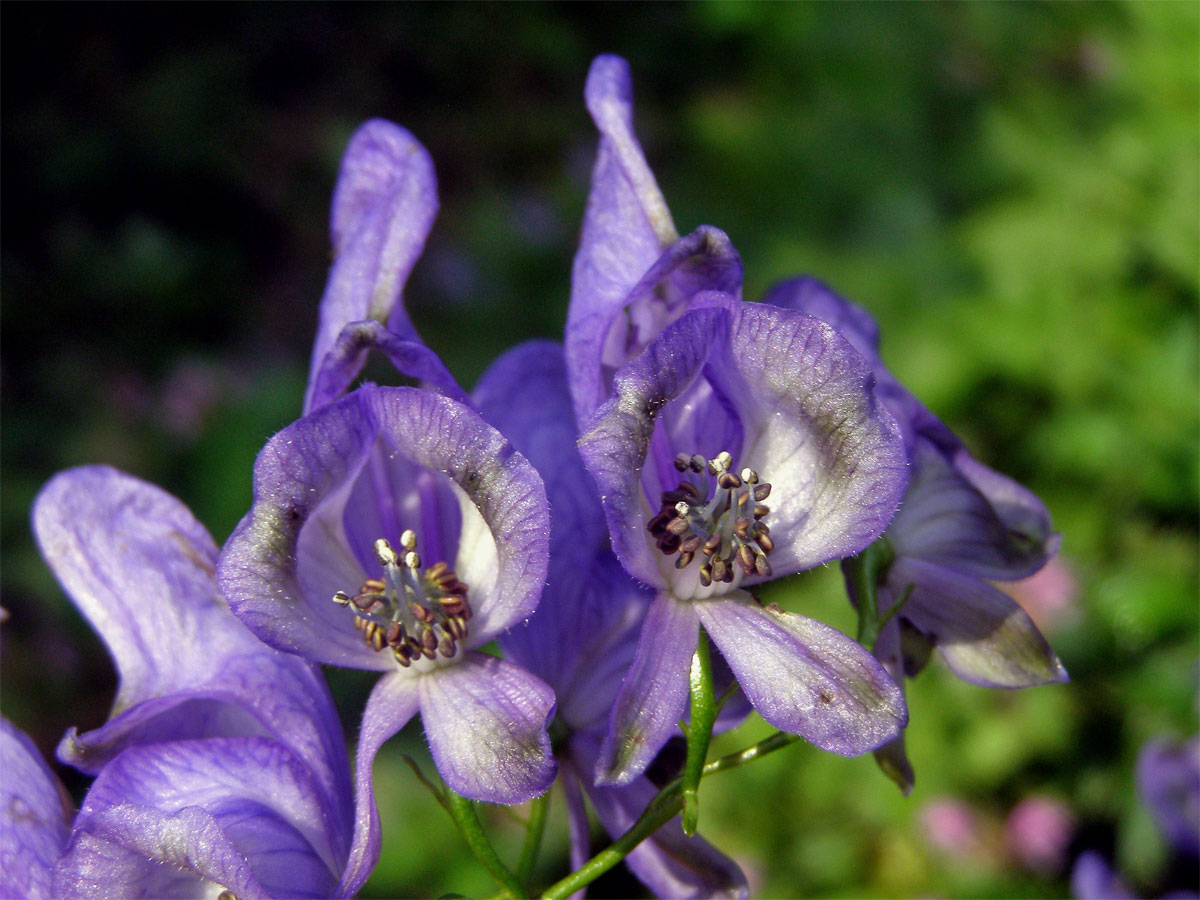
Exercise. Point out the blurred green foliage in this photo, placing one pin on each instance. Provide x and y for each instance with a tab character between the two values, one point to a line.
1010	188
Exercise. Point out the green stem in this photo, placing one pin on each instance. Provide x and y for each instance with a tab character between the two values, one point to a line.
466	817
866	571
664	807
534	830
704	713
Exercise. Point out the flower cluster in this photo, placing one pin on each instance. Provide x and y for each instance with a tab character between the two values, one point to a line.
558	572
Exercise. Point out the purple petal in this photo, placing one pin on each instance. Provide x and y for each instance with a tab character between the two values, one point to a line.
668	862
291	553
486	724
947	521
346	356
1092	878
523	394
805	677
892	757
625	228
35	817
813	430
616	443
242	813
140	568
815	298
985	637
609	336
393	702
383	208
653	695
1168	775
579	829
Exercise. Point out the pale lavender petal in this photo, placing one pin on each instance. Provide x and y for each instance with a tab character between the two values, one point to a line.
140	568
292	552
301	480
616	443
242	813
947	521
35	817
383	208
985	637
809	295
393	702
346	356
805	677
503	549
625	229
599	345
486	724
813	430
654	694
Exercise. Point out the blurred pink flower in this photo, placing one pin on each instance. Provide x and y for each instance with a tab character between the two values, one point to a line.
1048	595
952	827
1038	832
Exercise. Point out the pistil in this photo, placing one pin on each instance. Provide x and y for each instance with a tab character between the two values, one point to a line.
717	513
416	614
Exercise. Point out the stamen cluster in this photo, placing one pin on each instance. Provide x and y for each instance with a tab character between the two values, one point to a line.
720	519
416	614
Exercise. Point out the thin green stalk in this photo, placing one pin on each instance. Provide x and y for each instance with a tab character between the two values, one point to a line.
866	571
534	829
466	817
704	713
664	807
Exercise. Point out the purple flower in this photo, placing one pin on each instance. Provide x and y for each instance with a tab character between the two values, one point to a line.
730	405
633	275
582	640
1168	775
395	530
223	756
960	527
35	817
383	208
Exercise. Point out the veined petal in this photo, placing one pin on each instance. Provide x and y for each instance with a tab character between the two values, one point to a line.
947	521
292	553
393	702
815	298
625	228
503	548
580	636
813	429
486	724
616	443
35	817
599	345
805	677
301	479
241	813
985	637
140	568
653	695
383	208
346	356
